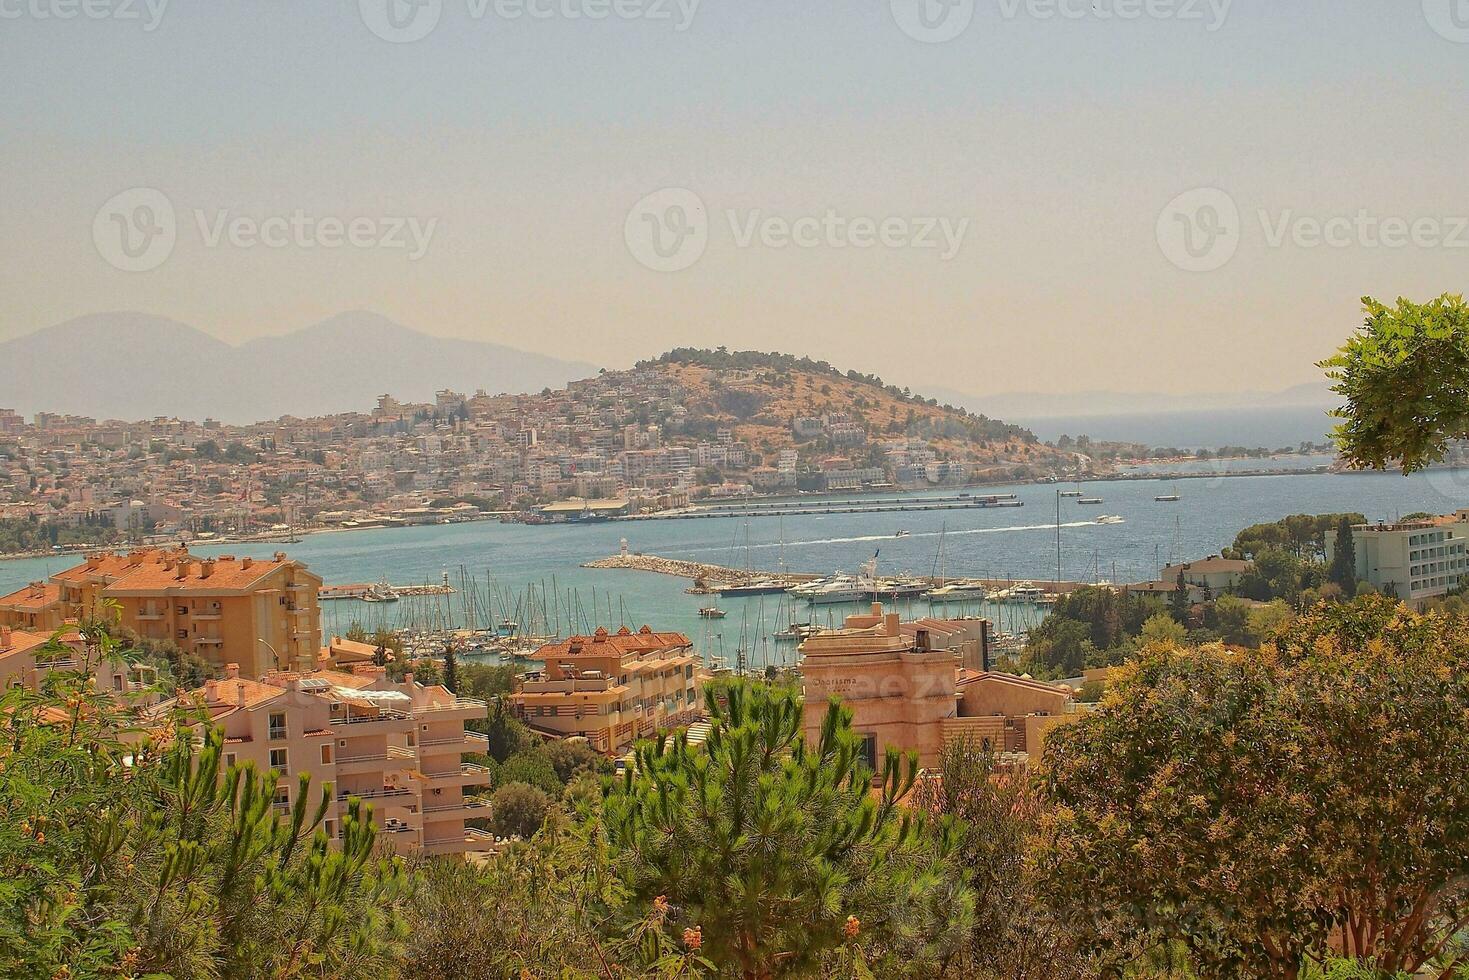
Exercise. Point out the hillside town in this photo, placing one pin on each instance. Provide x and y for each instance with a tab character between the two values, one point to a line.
633	442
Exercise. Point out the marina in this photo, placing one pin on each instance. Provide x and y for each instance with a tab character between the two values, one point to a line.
553	579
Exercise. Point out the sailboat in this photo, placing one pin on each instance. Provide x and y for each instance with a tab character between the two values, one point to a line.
959	590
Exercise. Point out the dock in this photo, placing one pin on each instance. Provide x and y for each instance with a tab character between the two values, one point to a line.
890	505
710	578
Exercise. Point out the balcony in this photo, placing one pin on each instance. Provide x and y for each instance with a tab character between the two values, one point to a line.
460	708
467	774
148	616
383	721
470	840
468	742
348	765
469	807
210	640
375	793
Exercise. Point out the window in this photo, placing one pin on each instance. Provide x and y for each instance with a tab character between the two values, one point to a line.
117	682
869	751
331	829
278	760
326	755
229	759
277	725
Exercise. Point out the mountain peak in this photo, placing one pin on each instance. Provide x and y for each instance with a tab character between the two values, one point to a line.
132	365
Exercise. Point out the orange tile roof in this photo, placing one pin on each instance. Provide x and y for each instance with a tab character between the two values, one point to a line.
605	644
227	693
37	595
224	576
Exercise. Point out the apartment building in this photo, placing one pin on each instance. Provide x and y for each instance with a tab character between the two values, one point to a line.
26	658
908	694
259	613
396	746
1414	560
611	688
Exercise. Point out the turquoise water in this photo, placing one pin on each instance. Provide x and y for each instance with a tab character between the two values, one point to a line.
1016	543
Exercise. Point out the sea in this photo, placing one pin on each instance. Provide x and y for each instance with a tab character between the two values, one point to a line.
534	575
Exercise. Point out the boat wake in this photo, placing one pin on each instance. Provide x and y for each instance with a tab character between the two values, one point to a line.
860	539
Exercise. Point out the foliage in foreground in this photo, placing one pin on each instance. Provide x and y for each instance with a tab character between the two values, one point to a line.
131	859
1265	808
1405	379
779	853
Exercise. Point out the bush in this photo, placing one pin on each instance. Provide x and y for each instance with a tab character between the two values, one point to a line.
570	758
530	766
518	810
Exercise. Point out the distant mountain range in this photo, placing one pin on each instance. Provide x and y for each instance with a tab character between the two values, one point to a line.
137	366
1024	406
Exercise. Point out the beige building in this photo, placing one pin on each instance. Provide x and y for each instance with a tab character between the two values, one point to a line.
397	746
1414	560
1215	574
259	613
906	694
26	658
611	688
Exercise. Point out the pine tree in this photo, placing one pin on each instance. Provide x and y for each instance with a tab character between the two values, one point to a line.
451	669
779	853
1343	569
1179	602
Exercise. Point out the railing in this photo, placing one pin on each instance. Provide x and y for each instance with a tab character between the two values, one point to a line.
346	760
458	704
470	740
374	794
467	769
387	714
470	803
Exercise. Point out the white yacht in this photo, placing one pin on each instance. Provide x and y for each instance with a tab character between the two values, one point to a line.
959	590
1025	592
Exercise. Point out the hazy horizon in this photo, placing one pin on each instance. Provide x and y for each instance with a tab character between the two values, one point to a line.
1016	189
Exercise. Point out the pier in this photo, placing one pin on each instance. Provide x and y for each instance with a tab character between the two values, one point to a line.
718	578
890	505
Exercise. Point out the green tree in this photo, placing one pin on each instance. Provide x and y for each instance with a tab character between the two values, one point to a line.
529	766
518	810
123	856
1179	603
1174	818
451	669
1343	570
1162	628
1017	933
1405	379
1267	807
780	853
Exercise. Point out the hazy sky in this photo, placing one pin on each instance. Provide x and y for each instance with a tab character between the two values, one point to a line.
494	169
